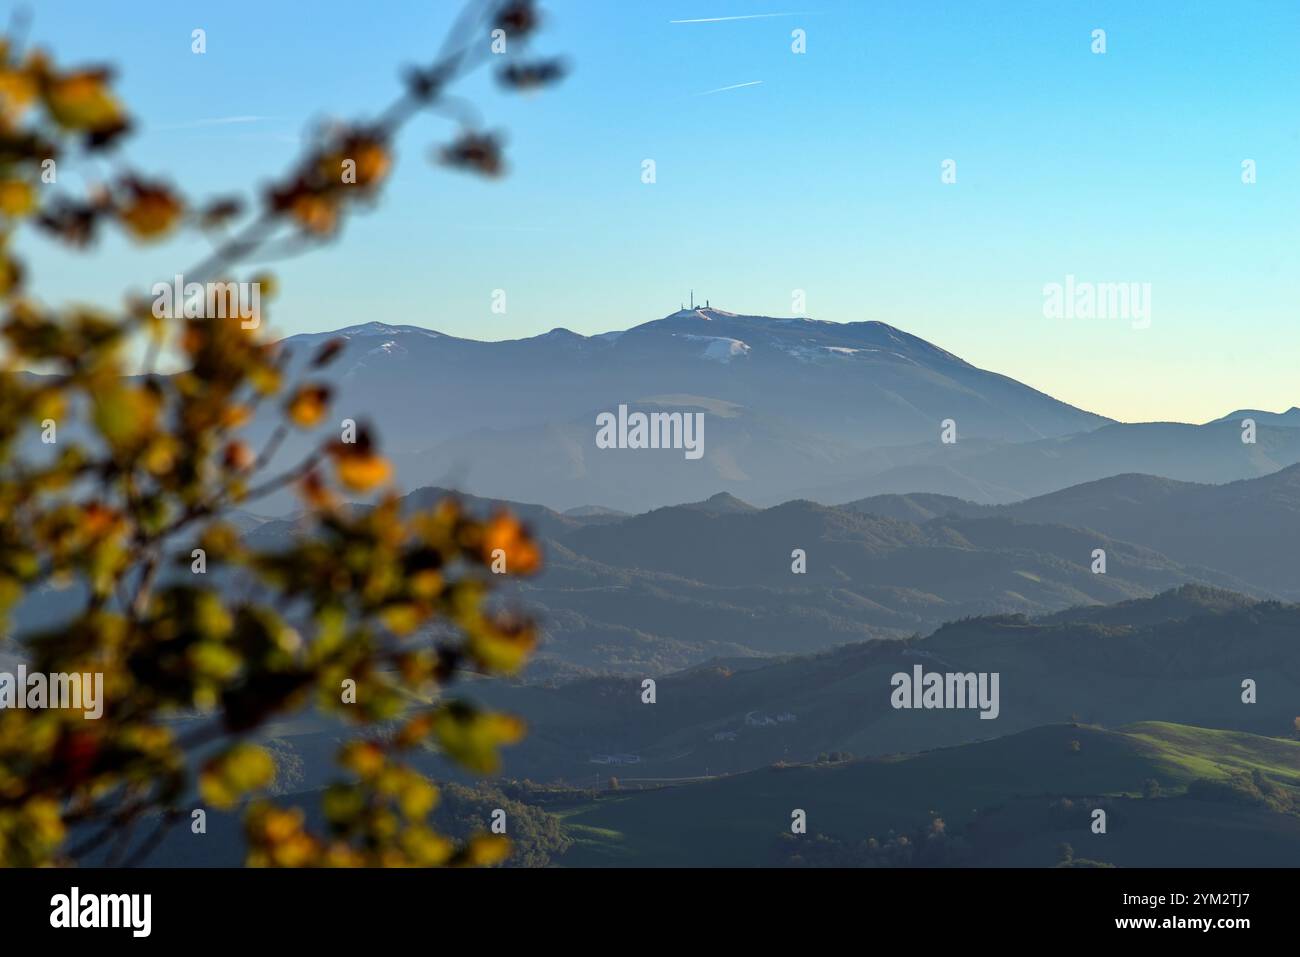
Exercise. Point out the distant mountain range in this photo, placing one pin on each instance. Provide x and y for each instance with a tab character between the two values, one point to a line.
864	383
760	670
793	408
1248	529
676	586
1210	453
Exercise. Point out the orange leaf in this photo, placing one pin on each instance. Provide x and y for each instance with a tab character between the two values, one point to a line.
307	406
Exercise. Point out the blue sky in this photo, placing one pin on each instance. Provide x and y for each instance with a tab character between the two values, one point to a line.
824	175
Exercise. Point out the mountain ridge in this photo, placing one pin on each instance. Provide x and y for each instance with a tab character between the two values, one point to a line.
793	407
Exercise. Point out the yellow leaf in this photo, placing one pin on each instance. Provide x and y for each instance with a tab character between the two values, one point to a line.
363	758
502	647
81	101
484	850
17	90
17	198
234	773
264	379
126	415
361	473
426	847
160	456
417	797
472	737
404	618
11	275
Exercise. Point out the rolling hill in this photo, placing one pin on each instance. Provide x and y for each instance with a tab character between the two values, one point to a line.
680	585
1010	800
1180	656
1247	529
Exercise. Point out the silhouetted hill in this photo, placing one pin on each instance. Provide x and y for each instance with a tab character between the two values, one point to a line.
676	586
1185	602
918	507
723	503
1244	529
1011	800
1180	656
1210	453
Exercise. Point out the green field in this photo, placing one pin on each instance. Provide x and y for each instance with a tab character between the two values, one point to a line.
736	820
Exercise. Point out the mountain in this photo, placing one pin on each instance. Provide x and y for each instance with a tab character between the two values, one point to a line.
720	578
710	772
787	402
721	504
979	559
1177	604
918	507
888	386
1015	800
1007	472
1180	656
791	408
1009	801
1289	419
595	513
1246	529
680	585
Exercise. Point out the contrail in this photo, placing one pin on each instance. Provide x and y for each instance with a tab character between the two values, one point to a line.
734	86
747	16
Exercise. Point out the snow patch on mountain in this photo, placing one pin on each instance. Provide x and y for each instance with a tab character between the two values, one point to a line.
389	348
720	348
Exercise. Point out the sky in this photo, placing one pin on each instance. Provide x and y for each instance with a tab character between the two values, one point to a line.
775	172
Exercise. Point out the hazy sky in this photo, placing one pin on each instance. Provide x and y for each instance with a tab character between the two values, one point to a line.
817	172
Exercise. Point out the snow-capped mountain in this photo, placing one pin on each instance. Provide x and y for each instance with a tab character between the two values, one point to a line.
789	406
865	383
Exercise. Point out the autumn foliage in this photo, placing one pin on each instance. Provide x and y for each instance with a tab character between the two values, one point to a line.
146	467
